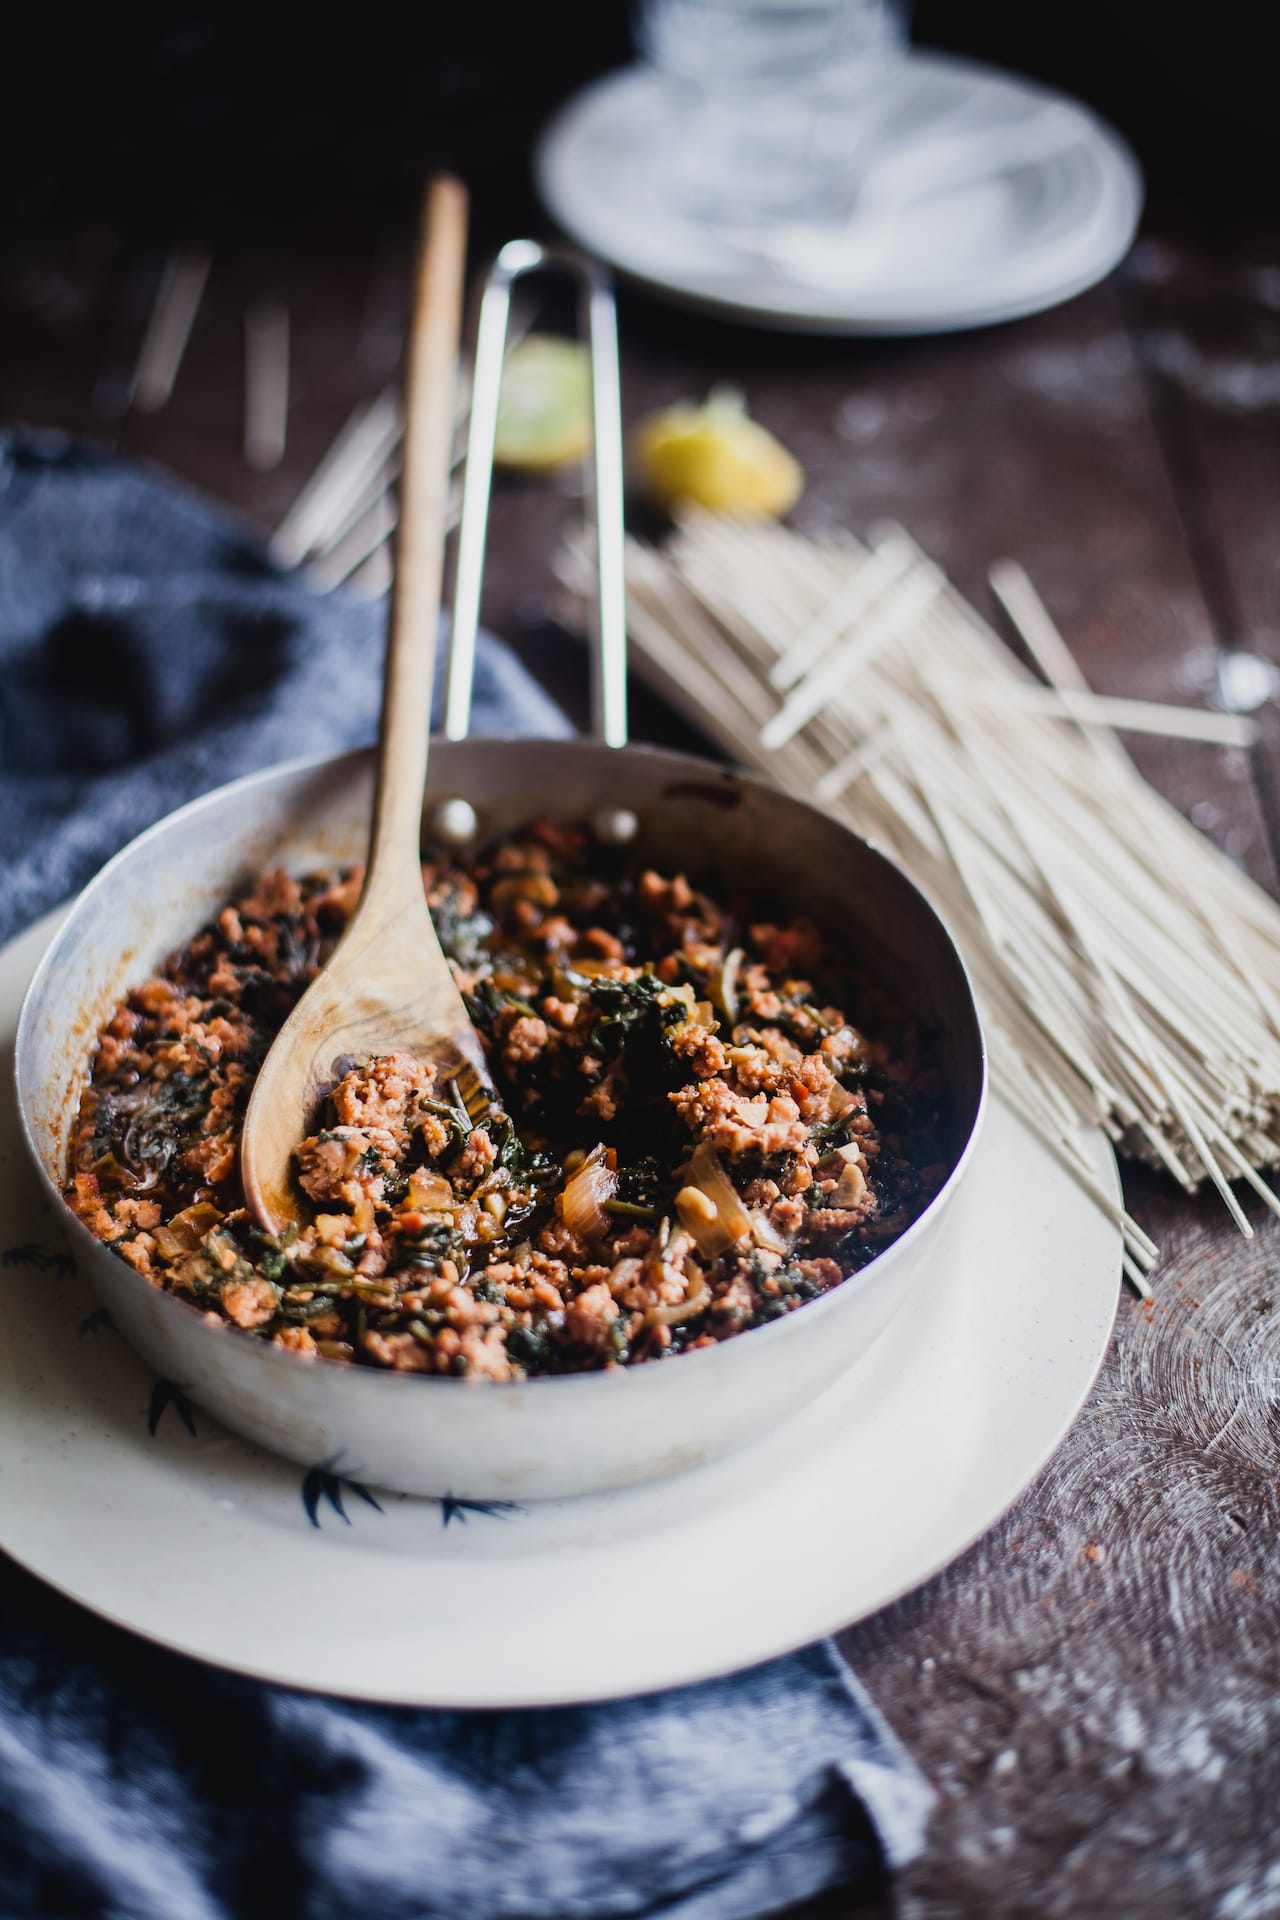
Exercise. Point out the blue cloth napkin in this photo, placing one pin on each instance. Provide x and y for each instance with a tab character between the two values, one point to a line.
149	650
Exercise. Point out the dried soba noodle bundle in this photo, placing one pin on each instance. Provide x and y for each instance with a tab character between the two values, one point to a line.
1122	964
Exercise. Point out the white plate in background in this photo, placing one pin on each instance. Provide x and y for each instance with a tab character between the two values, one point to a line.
1029	235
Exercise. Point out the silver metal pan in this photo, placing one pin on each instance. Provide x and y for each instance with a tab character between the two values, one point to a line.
550	1436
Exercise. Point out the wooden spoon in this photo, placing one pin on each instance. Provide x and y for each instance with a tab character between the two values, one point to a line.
387	986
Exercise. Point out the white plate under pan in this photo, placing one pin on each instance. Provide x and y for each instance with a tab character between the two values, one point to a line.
205	1544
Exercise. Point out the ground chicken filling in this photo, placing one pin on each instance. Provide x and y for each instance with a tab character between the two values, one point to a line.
693	1138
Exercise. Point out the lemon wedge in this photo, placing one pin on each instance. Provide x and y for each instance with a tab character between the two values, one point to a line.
544	411
718	457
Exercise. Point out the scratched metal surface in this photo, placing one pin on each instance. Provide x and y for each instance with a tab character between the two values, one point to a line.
1095	1688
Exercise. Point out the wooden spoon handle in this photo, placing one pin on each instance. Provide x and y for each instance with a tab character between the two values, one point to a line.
431	390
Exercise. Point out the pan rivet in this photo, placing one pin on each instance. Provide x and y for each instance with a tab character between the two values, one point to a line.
614	825
452	821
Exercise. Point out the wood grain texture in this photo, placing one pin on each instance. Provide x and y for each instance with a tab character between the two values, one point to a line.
1094	1688
1207	313
431	407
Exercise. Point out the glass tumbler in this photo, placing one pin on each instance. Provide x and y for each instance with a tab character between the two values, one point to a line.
772	105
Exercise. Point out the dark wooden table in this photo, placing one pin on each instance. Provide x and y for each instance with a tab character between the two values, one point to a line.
1094	1688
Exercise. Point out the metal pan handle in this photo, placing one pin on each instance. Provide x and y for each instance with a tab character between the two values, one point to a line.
598	322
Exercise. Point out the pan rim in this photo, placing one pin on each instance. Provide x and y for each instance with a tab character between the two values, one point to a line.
579	1381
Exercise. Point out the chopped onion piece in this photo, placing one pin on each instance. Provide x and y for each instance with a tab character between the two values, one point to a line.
430	1192
582	1202
186	1230
679	1310
765	1234
330	1260
724	985
850	1188
728	1221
